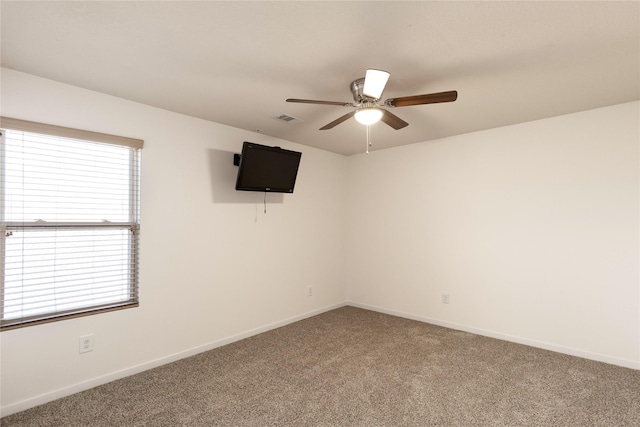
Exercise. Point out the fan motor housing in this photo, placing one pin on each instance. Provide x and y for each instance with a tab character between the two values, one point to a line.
357	87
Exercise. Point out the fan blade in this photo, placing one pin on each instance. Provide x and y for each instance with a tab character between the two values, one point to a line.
374	83
393	120
430	98
312	101
338	121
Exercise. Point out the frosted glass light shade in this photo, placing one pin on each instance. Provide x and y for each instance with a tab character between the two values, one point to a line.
368	116
374	83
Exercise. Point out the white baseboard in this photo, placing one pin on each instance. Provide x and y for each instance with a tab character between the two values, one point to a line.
491	334
94	382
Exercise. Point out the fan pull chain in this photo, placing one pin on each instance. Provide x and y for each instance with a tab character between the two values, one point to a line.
368	138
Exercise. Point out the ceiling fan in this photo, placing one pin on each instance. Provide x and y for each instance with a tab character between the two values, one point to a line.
368	110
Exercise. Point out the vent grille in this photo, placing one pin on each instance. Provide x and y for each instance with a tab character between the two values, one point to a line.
287	118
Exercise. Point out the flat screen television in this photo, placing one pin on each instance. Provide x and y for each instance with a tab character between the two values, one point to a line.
267	169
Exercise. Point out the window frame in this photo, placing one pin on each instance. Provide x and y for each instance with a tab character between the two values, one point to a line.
133	225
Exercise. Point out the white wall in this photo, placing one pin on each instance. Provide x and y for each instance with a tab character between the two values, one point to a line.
214	267
533	231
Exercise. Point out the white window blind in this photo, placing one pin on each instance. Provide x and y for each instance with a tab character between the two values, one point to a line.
70	223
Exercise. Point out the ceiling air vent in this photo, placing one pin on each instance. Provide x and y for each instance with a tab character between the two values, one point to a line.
288	119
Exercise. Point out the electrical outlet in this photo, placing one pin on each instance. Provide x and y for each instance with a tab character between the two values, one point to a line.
445	298
86	343
310	291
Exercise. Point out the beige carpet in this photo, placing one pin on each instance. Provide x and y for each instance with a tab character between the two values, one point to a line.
352	367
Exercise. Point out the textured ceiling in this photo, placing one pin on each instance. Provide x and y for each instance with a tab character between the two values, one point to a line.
236	62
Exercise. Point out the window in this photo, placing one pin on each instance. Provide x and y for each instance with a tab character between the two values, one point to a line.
69	218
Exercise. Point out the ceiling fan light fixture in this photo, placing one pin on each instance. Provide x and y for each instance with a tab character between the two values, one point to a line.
374	83
368	110
368	116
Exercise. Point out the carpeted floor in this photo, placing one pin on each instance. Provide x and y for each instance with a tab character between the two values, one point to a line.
353	367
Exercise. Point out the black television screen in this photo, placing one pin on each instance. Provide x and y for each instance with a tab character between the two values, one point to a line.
267	169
